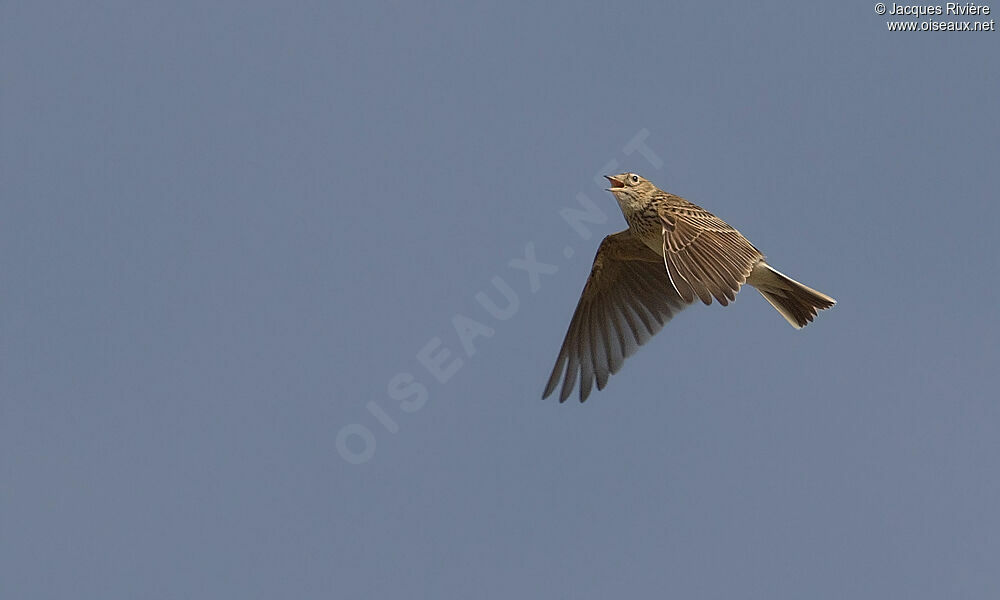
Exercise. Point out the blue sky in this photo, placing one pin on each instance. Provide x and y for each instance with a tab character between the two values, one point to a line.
230	231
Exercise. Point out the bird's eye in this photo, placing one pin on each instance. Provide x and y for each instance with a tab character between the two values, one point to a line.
635	179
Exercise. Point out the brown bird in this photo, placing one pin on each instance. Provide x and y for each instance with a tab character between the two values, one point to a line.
672	253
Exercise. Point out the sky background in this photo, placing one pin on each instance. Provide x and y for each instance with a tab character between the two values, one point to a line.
226	227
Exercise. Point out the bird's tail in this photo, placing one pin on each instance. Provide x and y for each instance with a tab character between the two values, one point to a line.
796	302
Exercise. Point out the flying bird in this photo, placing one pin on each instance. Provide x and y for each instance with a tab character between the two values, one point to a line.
673	253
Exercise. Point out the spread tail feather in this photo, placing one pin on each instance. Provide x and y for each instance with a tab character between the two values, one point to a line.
796	302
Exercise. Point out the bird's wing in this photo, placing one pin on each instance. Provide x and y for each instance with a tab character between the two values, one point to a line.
627	299
704	255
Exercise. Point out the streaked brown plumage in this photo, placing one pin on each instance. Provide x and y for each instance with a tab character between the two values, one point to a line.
672	253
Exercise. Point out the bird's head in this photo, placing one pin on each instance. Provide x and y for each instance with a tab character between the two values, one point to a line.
632	191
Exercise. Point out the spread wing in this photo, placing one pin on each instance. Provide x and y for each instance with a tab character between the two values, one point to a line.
627	299
704	255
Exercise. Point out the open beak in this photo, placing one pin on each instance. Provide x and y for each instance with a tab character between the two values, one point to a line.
615	182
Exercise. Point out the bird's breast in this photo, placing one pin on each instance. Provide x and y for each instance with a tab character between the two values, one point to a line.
648	228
